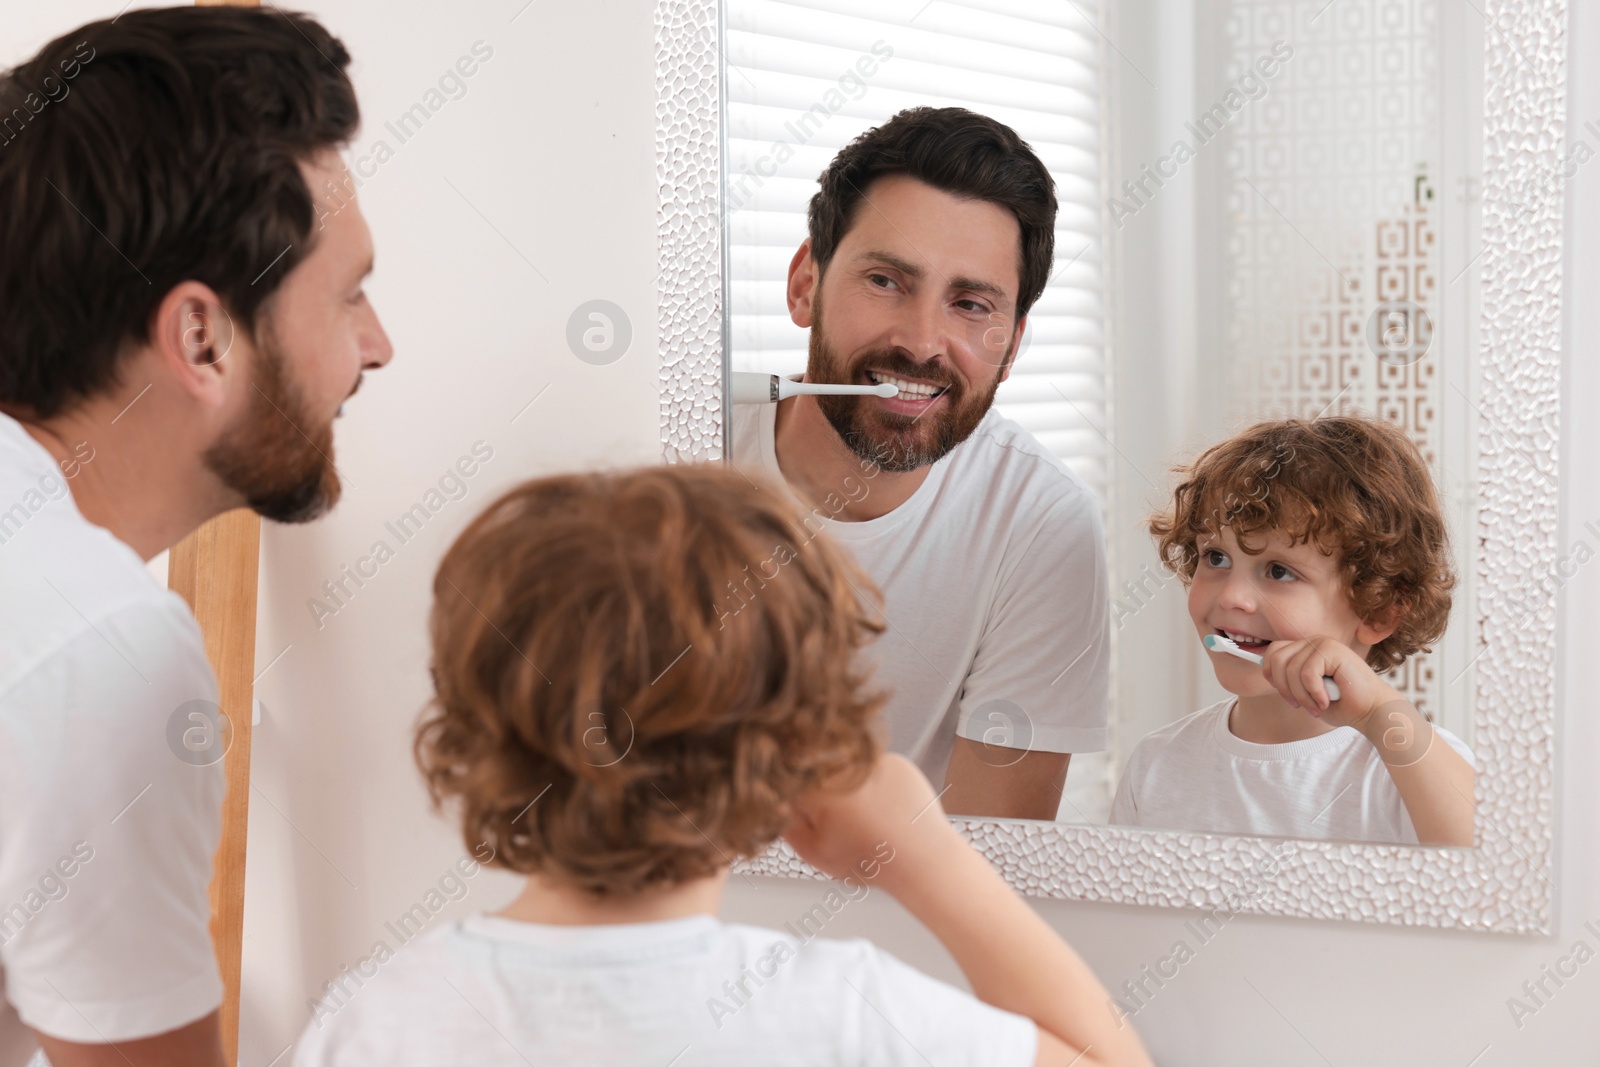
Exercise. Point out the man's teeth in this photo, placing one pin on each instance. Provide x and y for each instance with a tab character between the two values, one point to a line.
1244	639
915	390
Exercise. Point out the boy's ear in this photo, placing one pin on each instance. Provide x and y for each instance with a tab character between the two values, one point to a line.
1370	633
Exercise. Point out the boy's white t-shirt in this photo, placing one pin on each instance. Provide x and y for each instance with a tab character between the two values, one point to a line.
106	835
489	991
995	587
1197	775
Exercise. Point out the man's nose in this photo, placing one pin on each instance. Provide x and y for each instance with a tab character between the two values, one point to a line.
376	351
920	331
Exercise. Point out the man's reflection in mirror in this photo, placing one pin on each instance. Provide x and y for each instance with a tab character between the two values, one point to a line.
928	242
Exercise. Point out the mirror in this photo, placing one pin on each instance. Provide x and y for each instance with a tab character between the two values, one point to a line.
1261	215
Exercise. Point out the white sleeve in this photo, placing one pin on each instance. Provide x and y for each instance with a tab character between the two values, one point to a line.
1046	647
1459	745
913	1020
106	835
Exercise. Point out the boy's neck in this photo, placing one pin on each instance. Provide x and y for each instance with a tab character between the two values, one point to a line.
558	905
1270	720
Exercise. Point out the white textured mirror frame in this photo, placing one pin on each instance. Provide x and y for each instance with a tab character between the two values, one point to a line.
1505	884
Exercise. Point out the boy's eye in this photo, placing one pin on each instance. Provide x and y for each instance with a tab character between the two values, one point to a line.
1278	572
1215	557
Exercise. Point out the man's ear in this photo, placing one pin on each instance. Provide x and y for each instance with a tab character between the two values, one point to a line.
804	276
193	333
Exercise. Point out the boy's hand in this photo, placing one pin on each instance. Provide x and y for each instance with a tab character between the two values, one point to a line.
1296	670
893	815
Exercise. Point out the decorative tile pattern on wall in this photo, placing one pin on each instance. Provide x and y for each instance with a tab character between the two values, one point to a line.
1330	238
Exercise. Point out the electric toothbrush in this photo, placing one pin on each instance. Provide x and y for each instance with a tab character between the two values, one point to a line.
1218	643
753	387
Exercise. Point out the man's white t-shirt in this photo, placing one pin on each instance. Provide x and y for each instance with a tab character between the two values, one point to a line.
996	593
106	835
1196	774
489	991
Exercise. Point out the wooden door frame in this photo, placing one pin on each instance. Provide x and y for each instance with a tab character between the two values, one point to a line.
214	569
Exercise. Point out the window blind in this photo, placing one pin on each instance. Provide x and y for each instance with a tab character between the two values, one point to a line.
805	77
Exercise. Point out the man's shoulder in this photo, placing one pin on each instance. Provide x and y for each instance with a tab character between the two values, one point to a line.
62	579
1012	462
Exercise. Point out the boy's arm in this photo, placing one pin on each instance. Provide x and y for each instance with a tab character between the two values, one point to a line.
1435	783
1012	958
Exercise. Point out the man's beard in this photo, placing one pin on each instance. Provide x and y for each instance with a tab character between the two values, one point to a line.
279	458
892	441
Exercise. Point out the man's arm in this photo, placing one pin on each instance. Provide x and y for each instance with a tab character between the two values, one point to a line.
1003	783
197	1045
121	961
1040	678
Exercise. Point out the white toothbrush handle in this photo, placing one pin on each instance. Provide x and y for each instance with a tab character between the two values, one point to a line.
787	387
1234	650
754	387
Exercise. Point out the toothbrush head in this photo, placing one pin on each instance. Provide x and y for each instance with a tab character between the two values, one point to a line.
887	389
1218	643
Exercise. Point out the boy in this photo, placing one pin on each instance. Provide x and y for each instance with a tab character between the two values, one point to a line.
605	726
1319	546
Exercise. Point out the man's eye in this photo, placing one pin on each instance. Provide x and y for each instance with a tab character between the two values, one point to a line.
971	305
880	280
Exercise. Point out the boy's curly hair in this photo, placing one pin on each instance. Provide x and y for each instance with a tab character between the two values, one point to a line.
636	672
1355	487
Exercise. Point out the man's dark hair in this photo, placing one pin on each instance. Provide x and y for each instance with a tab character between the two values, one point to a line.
138	153
960	152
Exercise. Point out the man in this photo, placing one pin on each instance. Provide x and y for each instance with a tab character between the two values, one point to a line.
179	326
929	241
